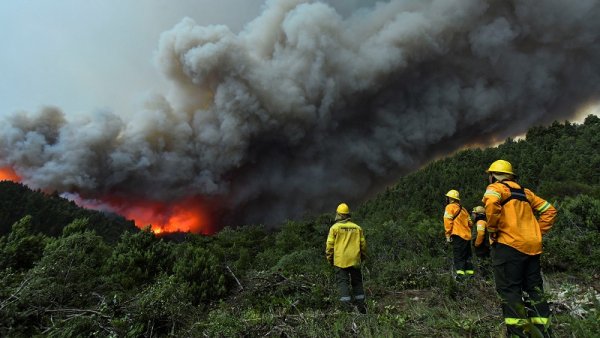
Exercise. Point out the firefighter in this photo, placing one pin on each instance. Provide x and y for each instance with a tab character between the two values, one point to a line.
345	249
517	245
457	224
481	243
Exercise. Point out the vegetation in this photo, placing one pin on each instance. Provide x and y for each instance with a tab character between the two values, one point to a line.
50	213
74	281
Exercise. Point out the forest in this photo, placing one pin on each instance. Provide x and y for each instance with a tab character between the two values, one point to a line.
71	272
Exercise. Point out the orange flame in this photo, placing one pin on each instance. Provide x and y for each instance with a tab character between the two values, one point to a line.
186	215
8	174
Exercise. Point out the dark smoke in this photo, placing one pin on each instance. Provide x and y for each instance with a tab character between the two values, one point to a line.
307	107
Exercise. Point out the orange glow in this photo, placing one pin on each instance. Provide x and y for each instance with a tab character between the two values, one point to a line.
186	215
7	174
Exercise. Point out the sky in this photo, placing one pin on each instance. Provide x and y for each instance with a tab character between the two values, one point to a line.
83	56
92	55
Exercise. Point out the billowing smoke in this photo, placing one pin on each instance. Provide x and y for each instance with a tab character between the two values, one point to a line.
307	107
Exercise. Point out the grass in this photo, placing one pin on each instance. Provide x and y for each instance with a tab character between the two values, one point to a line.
449	309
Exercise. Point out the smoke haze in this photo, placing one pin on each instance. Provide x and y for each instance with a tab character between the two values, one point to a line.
312	104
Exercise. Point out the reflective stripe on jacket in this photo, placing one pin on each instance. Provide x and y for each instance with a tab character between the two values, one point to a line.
346	244
457	223
515	221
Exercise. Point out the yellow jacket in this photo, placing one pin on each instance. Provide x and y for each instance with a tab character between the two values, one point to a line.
481	225
346	244
515	222
457	223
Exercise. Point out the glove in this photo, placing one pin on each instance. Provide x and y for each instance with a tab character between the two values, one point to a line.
493	236
448	239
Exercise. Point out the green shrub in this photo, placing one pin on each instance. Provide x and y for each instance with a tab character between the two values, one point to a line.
574	241
21	248
221	323
137	259
307	261
67	277
69	272
201	271
165	307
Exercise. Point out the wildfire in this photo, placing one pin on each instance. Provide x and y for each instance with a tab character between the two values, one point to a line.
7	174
186	215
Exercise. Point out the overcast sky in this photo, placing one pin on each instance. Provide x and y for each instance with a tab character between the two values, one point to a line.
83	56
87	55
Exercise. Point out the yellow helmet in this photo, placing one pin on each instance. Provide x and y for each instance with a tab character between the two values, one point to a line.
501	166
478	210
453	194
343	209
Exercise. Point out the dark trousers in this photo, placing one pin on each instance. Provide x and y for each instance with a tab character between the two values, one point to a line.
462	256
515	273
350	276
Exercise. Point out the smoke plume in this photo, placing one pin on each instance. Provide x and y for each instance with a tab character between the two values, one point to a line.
307	107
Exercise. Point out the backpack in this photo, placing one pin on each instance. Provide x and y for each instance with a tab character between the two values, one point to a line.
515	194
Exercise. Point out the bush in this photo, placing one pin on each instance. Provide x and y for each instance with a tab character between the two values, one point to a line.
165	307
21	248
574	241
201	271
137	259
307	261
69	271
67	277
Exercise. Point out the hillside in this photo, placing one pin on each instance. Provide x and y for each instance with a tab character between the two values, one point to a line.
251	281
51	213
560	161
